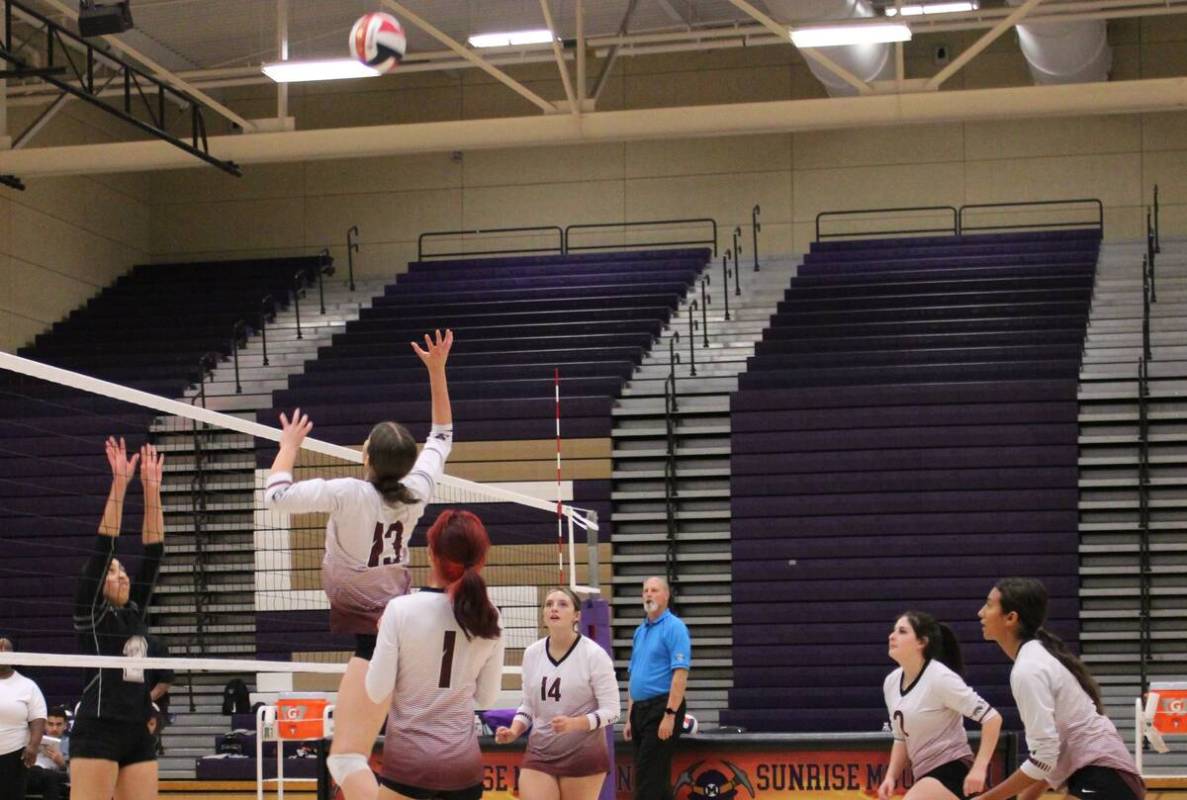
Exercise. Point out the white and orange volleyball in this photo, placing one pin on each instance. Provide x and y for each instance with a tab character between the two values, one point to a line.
378	40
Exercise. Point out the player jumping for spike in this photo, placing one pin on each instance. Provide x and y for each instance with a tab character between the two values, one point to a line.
366	560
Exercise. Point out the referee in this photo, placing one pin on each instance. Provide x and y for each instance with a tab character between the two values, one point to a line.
658	675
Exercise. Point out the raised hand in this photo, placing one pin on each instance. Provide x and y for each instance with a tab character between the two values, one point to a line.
122	467
152	467
436	349
294	432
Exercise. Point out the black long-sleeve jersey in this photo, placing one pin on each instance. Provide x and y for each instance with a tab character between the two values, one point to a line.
107	630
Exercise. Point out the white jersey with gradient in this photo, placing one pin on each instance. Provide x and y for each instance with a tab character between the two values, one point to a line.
364	531
580	684
436	678
927	715
1064	731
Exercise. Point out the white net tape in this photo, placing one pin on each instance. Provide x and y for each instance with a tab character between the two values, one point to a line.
449	490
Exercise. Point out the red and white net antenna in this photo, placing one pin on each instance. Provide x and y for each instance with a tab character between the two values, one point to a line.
560	499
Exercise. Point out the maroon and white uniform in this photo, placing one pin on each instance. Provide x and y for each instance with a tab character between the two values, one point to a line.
366	561
580	683
927	715
436	678
1064	731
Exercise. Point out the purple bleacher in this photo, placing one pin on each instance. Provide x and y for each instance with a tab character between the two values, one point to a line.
53	472
905	434
592	316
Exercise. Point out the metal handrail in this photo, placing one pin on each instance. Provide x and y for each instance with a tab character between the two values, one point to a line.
570	248
963	227
1144	561
206	365
670	487
755	229
559	248
324	267
352	247
706	298
737	261
1157	226
692	338
238	336
1147	295
725	281
953	229
1151	250
267	310
300	281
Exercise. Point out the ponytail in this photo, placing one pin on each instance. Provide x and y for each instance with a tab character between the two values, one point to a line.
942	644
472	608
1056	647
394	491
949	650
1027	598
458	543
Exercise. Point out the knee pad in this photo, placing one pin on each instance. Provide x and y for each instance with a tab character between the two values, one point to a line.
343	765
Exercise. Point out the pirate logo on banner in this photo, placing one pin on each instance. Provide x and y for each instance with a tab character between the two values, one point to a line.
712	783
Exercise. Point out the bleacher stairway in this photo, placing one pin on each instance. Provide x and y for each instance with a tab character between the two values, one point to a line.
224	560
1109	478
702	541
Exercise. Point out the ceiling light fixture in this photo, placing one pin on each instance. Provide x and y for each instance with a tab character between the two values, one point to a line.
836	35
932	8
335	69
511	39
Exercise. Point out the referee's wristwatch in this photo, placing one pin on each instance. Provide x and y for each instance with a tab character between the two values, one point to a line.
671	711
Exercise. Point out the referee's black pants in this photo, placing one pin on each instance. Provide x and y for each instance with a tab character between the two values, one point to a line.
12	775
653	757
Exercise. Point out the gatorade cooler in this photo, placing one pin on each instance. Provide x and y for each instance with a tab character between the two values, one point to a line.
301	715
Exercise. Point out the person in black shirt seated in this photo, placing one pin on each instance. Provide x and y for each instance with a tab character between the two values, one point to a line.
112	751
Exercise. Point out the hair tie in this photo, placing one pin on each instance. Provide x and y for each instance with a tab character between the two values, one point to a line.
452	571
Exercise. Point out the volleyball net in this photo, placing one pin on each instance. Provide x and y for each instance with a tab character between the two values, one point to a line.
239	587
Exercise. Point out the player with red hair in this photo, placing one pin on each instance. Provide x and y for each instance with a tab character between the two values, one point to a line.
439	655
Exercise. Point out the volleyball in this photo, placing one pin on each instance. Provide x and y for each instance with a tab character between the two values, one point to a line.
690	725
378	40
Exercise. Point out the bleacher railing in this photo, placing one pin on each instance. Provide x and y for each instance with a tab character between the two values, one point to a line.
565	238
956	221
559	247
709	240
1093	208
951	228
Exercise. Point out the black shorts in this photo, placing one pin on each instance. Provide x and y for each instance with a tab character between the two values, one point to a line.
1103	782
123	742
364	645
951	775
471	793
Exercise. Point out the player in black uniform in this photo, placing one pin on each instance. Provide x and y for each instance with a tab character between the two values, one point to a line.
112	752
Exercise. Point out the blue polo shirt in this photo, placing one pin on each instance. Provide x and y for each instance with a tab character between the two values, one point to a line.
660	648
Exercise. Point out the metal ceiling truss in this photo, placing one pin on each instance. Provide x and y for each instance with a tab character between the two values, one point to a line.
697	39
70	66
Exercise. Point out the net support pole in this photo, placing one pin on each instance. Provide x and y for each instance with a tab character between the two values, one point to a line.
595	624
591	540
